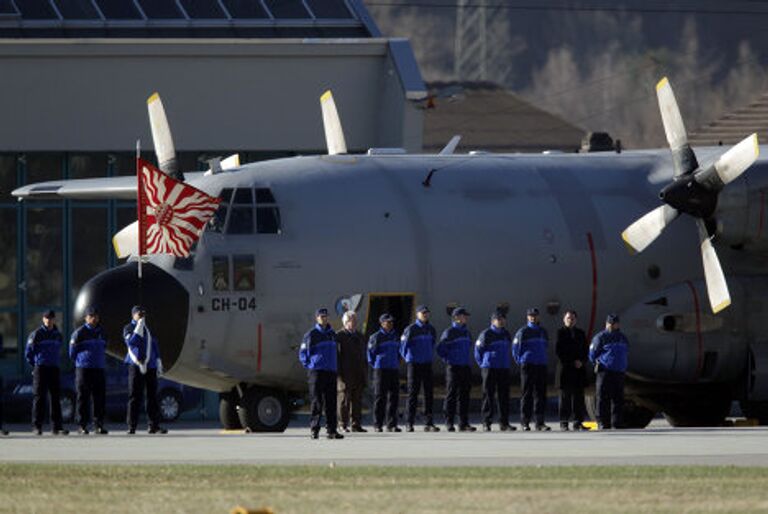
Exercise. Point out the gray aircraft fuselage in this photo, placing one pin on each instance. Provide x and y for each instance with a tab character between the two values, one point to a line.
485	230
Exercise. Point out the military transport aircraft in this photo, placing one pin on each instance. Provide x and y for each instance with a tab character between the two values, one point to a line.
387	230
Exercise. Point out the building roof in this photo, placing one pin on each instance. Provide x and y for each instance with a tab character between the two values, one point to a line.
492	119
735	126
185	18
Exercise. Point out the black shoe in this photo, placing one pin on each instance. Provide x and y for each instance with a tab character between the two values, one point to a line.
409	428
334	435
486	427
429	427
394	429
526	427
450	428
377	429
83	431
506	427
61	431
603	427
542	428
4	431
467	428
37	431
314	434
577	427
101	431
345	429
157	430
131	431
564	427
358	428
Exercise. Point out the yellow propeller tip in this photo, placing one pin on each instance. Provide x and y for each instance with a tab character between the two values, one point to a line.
757	145
663	82
629	246
326	96
155	97
721	306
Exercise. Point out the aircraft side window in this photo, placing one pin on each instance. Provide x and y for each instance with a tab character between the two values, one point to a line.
245	272
267	212
216	224
220	270
241	214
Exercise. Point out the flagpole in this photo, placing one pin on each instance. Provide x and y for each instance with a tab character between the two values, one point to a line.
138	203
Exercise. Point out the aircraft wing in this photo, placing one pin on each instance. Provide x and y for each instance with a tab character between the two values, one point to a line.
108	188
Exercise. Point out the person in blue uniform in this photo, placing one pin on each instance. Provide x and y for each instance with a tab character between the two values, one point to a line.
573	351
609	353
493	353
318	354
42	353
454	348
88	351
529	348
384	358
144	365
417	346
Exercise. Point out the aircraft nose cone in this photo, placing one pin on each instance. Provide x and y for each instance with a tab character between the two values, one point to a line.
115	291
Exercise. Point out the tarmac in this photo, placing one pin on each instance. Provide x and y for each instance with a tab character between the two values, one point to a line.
204	443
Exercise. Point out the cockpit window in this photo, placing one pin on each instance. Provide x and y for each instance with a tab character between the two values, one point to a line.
245	211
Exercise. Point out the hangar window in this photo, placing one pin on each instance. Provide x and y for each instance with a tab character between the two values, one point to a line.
287	8
160	9
77	10
245	9
36	9
119	10
329	9
202	9
220	270
245	272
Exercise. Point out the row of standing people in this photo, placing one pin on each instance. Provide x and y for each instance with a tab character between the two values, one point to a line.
87	350
337	365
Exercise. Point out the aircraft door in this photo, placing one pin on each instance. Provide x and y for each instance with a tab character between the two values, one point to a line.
399	305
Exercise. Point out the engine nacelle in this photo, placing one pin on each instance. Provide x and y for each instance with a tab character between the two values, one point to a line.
675	338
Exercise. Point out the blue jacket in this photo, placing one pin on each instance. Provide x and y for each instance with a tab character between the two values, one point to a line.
530	345
43	347
610	350
417	344
383	350
492	348
455	344
88	347
318	349
138	346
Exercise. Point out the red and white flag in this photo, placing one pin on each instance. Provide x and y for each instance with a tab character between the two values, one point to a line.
172	214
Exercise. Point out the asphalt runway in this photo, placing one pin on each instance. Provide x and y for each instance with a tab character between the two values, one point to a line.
205	444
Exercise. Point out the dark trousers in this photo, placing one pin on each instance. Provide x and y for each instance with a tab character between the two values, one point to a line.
137	385
386	393
534	398
420	376
1	401
458	383
495	385
572	404
91	385
322	396
610	398
350	404
46	387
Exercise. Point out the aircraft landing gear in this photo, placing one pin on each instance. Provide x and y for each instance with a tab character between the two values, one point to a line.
263	410
756	410
703	410
636	414
228	411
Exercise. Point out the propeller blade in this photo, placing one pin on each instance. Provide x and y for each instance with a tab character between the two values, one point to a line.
644	231
717	288
161	136
451	146
126	242
738	159
683	157
334	135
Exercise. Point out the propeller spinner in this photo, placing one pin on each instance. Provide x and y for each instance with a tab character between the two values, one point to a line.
694	191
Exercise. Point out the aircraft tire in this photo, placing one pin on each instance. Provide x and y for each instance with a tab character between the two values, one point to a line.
697	411
264	410
635	414
228	412
755	410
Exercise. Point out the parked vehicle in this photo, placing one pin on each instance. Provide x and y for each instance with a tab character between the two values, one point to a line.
173	398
